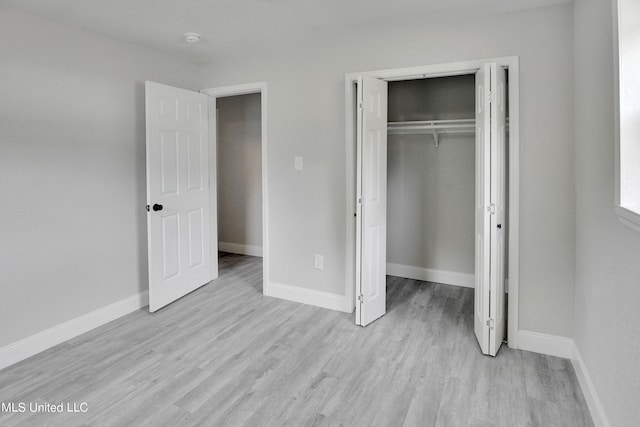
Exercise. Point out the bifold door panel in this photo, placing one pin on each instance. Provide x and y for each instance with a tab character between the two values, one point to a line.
489	313
372	200
482	202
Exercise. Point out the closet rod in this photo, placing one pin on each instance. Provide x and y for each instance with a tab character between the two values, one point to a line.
463	125
432	126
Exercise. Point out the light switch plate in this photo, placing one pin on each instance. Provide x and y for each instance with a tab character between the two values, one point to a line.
319	262
297	163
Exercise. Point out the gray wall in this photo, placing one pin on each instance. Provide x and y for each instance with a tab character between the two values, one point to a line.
306	107
431	190
240	170
72	167
607	290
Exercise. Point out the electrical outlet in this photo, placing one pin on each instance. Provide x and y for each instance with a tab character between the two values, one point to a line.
319	262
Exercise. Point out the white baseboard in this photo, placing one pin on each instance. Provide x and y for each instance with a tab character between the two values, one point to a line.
237	248
20	350
308	296
431	275
565	347
552	345
596	409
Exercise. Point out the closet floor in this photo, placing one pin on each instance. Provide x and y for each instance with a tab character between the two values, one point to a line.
225	355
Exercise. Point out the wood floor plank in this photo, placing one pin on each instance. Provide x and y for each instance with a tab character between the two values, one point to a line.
225	355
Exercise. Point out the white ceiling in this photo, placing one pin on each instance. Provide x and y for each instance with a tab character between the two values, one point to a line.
232	27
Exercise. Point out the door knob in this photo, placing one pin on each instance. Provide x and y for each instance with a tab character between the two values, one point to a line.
157	207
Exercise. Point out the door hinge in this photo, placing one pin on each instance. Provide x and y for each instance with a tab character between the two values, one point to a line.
359	200
491	209
490	324
361	298
360	105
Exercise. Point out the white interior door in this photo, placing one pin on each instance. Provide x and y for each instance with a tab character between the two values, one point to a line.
371	234
489	319
178	217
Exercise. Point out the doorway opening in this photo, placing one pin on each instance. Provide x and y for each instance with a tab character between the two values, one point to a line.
182	190
238	182
239	177
431	167
431	179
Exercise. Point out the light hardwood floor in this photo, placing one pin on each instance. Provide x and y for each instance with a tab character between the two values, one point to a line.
227	356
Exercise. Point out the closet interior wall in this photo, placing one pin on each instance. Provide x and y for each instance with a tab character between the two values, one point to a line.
431	187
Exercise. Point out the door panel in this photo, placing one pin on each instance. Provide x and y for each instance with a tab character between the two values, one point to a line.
196	243
169	162
372	159
489	318
483	200
170	246
498	225
178	220
195	177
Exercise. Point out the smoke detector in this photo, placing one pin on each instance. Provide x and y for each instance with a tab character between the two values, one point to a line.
192	37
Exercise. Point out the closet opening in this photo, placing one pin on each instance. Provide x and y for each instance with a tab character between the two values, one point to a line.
239	180
431	185
431	180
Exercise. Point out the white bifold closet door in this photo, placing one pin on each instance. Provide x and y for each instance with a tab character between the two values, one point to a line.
490	207
178	218
371	217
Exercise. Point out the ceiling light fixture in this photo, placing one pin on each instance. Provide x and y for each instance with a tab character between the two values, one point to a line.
192	37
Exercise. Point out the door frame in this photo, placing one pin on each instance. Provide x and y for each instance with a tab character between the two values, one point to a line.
512	63
245	89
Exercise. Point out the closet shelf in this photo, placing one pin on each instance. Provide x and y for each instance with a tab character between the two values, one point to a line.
434	127
428	126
